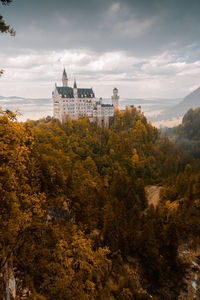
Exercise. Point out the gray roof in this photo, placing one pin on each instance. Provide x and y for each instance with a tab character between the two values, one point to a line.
68	91
65	90
106	105
85	93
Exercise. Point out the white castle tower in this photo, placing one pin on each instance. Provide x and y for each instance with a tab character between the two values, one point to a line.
115	98
64	78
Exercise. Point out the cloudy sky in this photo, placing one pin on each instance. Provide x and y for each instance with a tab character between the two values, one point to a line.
147	48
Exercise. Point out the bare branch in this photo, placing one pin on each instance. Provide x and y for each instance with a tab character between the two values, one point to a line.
4	28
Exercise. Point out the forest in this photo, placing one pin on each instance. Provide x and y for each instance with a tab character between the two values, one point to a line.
186	136
75	221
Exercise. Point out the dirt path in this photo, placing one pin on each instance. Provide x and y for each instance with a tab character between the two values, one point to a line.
153	194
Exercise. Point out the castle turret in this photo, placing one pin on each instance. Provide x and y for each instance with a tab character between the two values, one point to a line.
64	78
115	98
75	90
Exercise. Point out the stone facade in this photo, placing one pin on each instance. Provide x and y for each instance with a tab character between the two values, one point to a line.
80	102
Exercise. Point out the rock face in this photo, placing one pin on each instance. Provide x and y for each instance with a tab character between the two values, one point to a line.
153	194
191	288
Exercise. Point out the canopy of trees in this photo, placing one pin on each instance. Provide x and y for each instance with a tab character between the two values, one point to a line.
74	209
187	135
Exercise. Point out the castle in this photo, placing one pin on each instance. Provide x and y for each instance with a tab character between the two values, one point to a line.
78	102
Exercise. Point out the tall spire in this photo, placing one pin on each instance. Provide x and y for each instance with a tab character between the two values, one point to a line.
64	78
64	74
75	85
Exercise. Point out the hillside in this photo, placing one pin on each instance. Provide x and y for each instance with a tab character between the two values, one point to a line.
187	135
74	194
190	101
190	128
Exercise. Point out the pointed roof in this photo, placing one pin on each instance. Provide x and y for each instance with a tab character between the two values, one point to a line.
64	74
75	85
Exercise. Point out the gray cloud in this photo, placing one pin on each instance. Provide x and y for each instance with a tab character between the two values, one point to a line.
140	27
33	74
145	47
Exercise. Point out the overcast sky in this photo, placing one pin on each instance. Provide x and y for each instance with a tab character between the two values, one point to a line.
147	48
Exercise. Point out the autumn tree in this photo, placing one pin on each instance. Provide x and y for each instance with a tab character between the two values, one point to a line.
22	204
93	181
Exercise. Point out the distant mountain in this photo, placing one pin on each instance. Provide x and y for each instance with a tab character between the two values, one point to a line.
23	98
41	107
29	108
190	101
